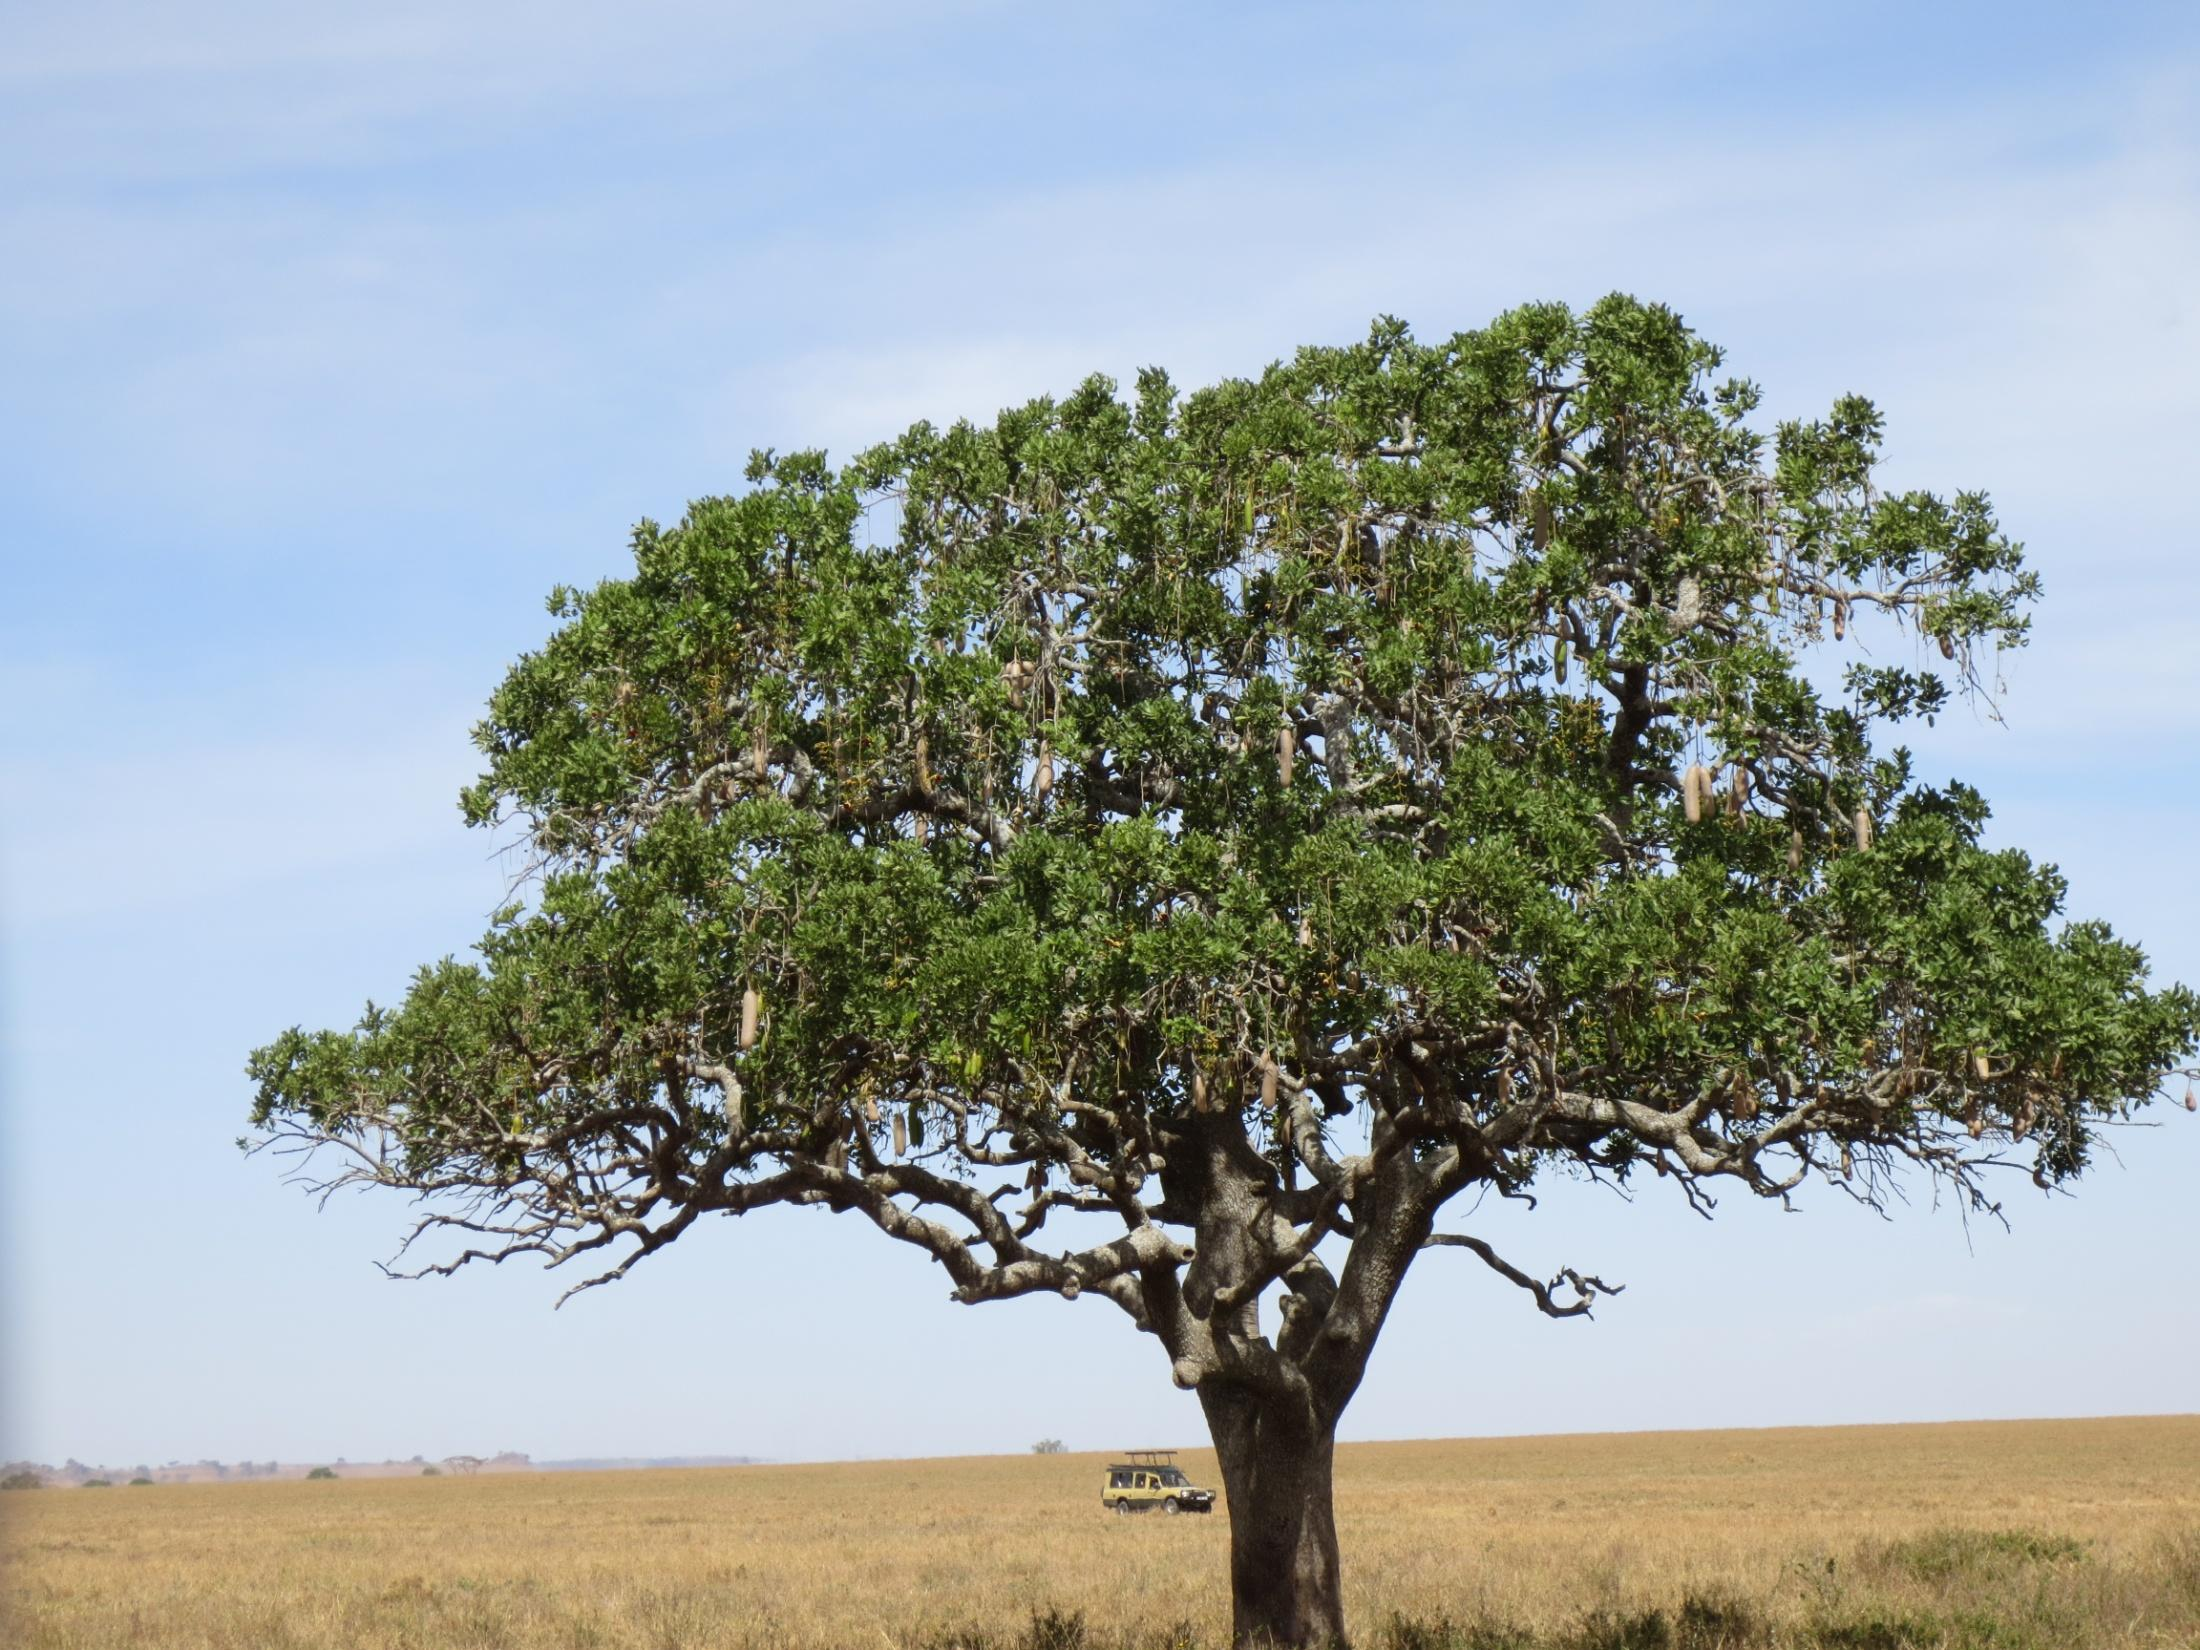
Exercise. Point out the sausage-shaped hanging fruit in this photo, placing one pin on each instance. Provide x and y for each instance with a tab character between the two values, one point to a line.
1287	745
1863	828
752	1005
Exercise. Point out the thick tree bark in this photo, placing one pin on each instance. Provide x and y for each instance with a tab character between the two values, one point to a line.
1285	1584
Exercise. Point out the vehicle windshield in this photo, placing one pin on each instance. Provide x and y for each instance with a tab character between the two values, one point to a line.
1169	1475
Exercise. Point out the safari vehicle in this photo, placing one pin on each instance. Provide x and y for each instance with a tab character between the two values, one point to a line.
1149	1479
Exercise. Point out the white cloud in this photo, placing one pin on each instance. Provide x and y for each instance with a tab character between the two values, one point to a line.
2029	311
1933	1316
286	282
124	91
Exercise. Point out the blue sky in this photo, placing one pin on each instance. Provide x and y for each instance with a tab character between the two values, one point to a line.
335	336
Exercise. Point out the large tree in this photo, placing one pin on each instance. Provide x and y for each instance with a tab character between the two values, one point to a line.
1168	849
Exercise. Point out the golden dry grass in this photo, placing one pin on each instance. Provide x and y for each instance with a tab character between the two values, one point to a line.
1991	1534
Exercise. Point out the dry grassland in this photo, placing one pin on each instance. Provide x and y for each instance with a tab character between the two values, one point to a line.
2000	1535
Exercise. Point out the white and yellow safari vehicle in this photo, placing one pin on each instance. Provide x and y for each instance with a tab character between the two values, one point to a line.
1151	1479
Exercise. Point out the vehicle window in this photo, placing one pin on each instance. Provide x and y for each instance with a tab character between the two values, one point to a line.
1172	1476
1119	1480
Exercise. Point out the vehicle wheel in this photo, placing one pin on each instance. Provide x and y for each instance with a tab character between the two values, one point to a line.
1170	1507
1122	1509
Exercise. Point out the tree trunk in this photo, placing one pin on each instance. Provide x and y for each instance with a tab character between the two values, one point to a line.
1285	1587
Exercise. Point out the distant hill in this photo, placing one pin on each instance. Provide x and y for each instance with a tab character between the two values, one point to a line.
75	1474
643	1463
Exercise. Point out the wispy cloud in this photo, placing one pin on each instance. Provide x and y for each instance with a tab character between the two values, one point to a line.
336	334
121	92
176	825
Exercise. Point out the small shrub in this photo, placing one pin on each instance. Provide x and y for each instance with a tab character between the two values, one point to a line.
1718	1624
99	1484
1052	1629
322	1472
1874	1634
1650	1630
136	1482
1405	1633
1702	1624
1938	1555
970	1637
22	1481
2177	1557
431	1472
1050	1446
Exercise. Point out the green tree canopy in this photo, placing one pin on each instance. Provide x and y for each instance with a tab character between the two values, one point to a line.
1229	826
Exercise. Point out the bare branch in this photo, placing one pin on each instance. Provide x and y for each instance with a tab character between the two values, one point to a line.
1586	1289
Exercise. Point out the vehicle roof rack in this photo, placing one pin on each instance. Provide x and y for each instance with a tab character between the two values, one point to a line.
1152	1457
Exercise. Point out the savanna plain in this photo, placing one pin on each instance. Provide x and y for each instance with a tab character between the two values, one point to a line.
1996	1535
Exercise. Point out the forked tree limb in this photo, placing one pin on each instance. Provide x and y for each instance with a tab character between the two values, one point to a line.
1586	1289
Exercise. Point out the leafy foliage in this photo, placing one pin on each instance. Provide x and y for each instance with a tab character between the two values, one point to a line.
1250	819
